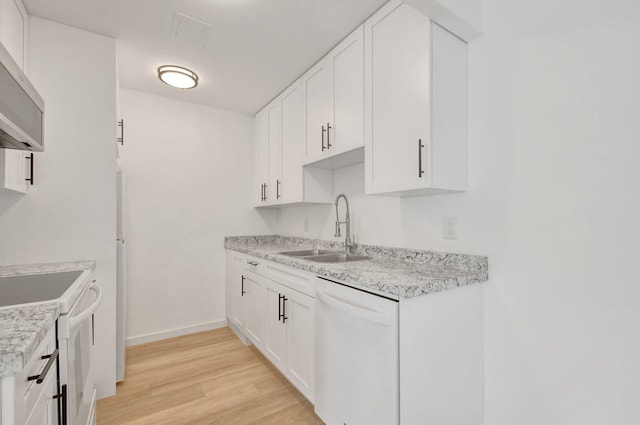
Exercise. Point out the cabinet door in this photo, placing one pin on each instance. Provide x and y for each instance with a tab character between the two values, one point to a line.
300	310
398	58
293	145
256	296
347	125
318	99
275	173
262	155
14	170
13	30
238	300
275	341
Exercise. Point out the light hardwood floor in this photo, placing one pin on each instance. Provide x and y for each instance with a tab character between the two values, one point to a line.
208	378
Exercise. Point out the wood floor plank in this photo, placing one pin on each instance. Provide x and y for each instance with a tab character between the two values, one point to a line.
209	378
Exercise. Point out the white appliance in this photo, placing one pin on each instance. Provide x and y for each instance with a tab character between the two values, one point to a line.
79	297
76	342
357	368
121	281
21	108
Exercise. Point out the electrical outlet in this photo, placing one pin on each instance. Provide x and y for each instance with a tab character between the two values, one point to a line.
306	224
449	227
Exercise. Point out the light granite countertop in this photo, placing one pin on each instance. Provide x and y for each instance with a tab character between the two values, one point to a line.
393	272
22	328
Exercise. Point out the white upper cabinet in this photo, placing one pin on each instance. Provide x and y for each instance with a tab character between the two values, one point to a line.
334	101
392	94
347	59
416	116
262	156
290	187
280	154
317	87
16	170
14	23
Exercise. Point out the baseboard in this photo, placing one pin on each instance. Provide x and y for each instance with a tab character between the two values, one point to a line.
242	337
158	336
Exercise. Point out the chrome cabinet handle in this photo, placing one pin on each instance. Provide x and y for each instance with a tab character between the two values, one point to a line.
52	359
277	189
242	291
420	170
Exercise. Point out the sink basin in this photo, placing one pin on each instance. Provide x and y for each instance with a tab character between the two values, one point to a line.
307	252
337	258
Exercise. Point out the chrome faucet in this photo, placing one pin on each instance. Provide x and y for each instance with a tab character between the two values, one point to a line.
347	241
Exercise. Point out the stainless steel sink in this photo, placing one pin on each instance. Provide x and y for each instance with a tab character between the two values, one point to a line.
324	256
337	258
307	252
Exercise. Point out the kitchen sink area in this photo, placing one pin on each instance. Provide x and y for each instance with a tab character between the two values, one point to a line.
325	256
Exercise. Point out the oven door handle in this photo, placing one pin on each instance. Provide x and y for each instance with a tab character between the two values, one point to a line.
76	320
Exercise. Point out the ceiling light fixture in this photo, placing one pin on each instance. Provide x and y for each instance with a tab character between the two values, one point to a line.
177	76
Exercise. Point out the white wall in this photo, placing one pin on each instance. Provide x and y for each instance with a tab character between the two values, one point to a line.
70	213
553	201
189	172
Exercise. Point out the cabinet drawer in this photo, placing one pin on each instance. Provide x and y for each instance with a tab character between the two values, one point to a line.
30	389
45	408
299	280
253	264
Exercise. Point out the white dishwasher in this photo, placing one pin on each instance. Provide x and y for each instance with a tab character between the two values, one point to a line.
357	369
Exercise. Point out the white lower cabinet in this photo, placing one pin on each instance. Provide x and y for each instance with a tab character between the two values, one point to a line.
24	400
275	346
360	358
238	304
254	292
276	316
289	339
300	309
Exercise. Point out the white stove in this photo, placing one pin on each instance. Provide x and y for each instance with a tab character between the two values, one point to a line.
79	297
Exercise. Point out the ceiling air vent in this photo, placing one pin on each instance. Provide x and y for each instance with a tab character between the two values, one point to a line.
190	30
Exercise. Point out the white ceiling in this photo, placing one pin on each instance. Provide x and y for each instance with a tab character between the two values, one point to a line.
255	48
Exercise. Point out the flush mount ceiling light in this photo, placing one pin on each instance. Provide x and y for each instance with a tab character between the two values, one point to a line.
177	76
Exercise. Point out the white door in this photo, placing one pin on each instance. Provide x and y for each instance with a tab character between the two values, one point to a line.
318	86
14	30
398	52
300	310
239	304
14	170
293	145
256	296
262	156
276	325
347	60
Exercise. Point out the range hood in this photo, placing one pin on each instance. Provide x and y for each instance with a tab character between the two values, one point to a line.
21	108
